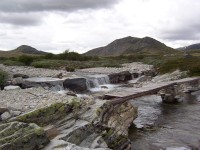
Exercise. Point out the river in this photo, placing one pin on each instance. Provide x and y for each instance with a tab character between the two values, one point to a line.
166	126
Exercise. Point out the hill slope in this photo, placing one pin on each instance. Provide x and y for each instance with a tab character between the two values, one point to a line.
131	45
28	50
22	50
191	47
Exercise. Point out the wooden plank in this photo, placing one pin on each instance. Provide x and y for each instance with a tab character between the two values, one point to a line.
131	93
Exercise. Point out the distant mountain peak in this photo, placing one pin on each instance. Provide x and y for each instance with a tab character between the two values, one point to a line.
191	47
131	45
28	50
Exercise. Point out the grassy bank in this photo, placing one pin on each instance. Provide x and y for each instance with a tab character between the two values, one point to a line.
71	61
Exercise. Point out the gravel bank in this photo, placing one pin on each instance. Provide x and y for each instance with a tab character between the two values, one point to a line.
136	67
32	72
29	99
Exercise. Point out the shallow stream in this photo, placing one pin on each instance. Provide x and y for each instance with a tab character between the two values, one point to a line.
166	126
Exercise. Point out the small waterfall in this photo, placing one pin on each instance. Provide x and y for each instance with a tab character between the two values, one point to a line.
97	81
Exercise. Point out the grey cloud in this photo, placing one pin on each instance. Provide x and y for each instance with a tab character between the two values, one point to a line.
25	12
189	31
20	19
51	5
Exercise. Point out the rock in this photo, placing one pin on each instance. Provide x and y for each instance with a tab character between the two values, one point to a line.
17	81
117	118
15	113
11	87
135	75
143	78
78	85
23	136
120	77
2	110
45	82
47	115
71	93
6	115
104	87
60	76
20	75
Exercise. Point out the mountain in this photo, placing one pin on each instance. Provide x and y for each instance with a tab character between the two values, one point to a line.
131	45
22	50
191	47
25	49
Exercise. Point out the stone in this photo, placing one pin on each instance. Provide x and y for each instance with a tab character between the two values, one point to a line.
11	87
20	75
78	85
117	118
17	81
15	113
50	114
60	76
6	115
22	136
143	78
104	87
120	77
71	93
2	110
135	75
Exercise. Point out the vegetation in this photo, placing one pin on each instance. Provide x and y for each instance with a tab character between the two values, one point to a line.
27	60
3	77
71	61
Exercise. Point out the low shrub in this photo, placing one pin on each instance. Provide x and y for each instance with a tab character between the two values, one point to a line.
27	60
3	77
13	63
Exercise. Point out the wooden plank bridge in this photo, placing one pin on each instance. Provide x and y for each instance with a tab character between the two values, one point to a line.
122	95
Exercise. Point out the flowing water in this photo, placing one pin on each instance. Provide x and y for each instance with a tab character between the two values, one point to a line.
98	83
166	126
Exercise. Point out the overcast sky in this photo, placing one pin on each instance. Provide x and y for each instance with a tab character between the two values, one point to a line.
80	25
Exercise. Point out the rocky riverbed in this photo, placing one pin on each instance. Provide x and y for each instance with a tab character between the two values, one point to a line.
38	114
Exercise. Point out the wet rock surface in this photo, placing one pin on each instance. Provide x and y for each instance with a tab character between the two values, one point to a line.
78	85
120	77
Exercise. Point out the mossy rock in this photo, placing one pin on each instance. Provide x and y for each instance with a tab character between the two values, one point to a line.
114	141
51	114
23	136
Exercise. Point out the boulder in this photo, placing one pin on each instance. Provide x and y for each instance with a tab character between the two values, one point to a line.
117	118
20	75
120	77
11	87
23	136
6	115
78	85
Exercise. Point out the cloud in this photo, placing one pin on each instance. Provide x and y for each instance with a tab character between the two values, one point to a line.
21	19
52	5
31	12
80	25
